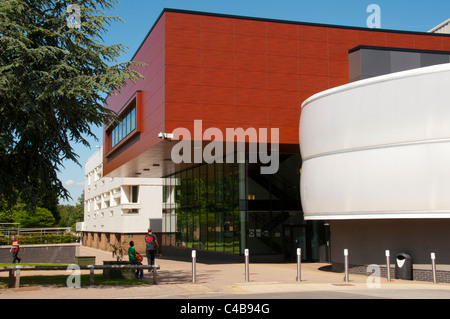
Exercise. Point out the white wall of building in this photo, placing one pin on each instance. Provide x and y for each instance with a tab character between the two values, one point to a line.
444	27
378	148
110	205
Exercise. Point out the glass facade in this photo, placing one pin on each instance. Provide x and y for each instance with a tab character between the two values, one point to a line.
228	207
202	208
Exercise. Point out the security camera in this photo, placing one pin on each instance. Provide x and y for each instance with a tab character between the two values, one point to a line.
165	135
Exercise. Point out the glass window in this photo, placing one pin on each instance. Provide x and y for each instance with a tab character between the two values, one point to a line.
116	133
112	141
219	184
126	126
211	184
207	212
135	194
219	231
196	228
133	119
123	128
119	132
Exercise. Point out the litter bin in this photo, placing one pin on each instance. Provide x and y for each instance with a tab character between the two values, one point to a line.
403	266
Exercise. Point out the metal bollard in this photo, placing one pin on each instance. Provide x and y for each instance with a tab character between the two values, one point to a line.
17	276
246	253
91	275
388	265
155	268
433	265
194	269
299	262
346	265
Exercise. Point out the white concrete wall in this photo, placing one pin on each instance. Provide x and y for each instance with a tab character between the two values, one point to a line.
108	201
444	27
378	148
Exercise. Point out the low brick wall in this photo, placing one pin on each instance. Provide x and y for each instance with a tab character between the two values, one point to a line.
52	253
103	241
419	274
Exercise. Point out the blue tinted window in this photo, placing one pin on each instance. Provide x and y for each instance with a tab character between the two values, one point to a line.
125	127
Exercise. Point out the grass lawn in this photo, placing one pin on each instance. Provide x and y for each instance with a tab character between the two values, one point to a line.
33	264
61	280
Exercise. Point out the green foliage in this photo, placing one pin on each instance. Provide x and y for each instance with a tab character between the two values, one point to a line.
53	83
70	215
40	217
27	215
28	218
61	281
38	238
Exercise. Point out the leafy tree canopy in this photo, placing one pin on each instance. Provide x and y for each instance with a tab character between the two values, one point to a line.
70	215
40	217
53	82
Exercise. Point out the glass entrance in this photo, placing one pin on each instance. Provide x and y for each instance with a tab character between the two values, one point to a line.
295	237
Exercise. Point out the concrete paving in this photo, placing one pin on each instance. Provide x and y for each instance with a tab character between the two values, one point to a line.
216	281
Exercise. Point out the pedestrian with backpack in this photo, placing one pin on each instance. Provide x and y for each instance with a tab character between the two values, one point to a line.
151	244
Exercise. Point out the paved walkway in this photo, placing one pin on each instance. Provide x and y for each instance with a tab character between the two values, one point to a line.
217	280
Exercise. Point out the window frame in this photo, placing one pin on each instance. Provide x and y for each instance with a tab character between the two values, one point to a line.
117	134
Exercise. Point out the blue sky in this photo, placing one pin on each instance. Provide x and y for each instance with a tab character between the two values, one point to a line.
140	15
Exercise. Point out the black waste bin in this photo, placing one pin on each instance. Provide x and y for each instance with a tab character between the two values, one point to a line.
403	266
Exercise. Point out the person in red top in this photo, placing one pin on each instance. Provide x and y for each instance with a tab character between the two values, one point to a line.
15	248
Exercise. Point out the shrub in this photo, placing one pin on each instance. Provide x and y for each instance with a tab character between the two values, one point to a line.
38	238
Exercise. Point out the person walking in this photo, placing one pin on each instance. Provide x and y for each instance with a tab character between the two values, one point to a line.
15	248
132	258
151	244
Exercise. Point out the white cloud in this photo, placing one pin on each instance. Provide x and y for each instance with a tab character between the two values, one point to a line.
71	182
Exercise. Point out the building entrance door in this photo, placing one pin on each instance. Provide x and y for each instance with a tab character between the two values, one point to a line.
295	237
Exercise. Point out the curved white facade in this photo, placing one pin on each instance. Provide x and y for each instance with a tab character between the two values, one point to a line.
378	148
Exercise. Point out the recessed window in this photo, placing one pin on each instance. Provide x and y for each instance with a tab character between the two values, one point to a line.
126	126
134	194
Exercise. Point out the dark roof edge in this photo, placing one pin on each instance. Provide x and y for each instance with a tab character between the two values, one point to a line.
371	47
222	15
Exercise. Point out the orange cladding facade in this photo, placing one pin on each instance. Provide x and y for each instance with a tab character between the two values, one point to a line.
234	72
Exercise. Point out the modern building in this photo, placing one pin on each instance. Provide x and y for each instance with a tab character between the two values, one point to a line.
118	209
375	164
214	83
444	27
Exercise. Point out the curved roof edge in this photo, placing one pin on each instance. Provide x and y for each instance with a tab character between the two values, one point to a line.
379	79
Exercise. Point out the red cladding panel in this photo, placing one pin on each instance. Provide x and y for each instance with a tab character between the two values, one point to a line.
258	72
233	72
151	116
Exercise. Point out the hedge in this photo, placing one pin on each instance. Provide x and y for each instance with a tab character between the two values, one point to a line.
38	238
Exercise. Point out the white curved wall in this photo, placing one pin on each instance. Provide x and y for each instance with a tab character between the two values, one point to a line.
378	148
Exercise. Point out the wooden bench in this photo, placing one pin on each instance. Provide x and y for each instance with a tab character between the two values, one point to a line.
14	271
